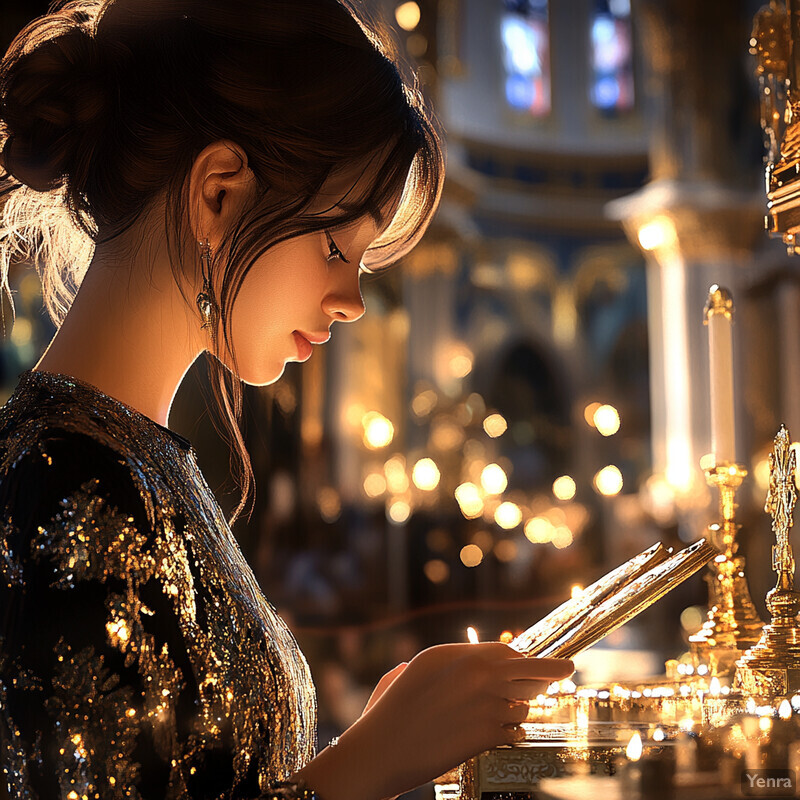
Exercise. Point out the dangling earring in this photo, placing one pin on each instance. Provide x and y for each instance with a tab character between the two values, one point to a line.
206	303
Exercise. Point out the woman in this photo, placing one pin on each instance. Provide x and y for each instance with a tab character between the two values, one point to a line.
196	177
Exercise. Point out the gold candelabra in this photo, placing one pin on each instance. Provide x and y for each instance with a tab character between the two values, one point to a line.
771	668
732	625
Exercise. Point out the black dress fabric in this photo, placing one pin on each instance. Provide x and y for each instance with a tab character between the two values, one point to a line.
138	656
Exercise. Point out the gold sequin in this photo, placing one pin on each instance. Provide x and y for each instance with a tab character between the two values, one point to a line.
190	657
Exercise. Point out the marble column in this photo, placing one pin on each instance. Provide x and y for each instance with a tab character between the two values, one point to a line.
698	221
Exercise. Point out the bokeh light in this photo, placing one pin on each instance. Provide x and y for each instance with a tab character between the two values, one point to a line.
329	503
398	511
469	500
608	481
508	515
495	425
471	555
378	431
692	619
459	360
407	15
494	479
436	570
606	420
564	488
426	475
374	484
589	412
446	434
562	537
424	402
396	478
539	530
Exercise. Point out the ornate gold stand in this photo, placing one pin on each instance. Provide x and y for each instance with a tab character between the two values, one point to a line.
771	669
733	624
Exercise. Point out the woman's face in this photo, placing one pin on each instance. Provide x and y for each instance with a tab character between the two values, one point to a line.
293	294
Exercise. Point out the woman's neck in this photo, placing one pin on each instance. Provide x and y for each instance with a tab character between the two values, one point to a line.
129	332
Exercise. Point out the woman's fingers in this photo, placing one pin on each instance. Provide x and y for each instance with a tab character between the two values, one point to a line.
525	668
383	684
523	691
512	734
514	713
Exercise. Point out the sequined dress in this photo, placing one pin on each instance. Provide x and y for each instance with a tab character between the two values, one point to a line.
138	656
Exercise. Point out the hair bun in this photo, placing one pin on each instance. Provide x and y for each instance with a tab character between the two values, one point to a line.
52	100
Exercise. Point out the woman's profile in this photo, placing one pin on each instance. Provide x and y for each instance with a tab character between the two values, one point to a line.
196	177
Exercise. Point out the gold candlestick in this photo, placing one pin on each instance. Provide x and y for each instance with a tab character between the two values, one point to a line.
733	624
771	668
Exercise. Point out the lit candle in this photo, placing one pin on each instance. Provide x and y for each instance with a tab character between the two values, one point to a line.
719	318
472	635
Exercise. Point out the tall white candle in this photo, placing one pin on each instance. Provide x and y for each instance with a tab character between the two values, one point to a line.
719	318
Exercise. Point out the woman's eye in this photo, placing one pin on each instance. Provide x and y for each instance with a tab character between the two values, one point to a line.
334	251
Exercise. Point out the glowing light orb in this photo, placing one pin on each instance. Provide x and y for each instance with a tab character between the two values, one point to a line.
494	479
436	570
471	555
608	481
374	484
539	530
398	511
469	500
378	431
606	420
495	425
426	474
508	515
407	15
564	488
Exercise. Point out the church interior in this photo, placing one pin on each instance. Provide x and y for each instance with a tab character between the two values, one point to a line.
593	349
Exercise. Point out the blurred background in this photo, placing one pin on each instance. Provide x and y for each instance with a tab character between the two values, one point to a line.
526	402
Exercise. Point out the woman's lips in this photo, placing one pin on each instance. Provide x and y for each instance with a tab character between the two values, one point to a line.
304	347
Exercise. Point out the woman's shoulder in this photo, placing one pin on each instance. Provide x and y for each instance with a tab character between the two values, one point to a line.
61	439
56	409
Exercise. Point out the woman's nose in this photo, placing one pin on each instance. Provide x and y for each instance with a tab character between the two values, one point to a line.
345	303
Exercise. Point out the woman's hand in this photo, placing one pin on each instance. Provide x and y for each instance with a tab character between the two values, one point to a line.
449	703
383	684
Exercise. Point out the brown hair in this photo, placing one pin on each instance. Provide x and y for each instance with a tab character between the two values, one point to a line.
105	105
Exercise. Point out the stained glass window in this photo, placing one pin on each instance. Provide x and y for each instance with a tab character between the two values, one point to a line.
612	56
526	55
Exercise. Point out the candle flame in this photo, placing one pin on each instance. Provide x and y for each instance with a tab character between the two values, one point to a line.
472	635
785	709
714	686
634	749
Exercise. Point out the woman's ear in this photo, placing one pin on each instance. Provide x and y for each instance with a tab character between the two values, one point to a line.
220	185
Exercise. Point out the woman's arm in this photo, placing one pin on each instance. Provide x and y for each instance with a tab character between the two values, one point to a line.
448	704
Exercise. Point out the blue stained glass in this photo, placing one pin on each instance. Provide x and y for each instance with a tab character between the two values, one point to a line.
521	52
519	92
606	92
526	57
612	56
